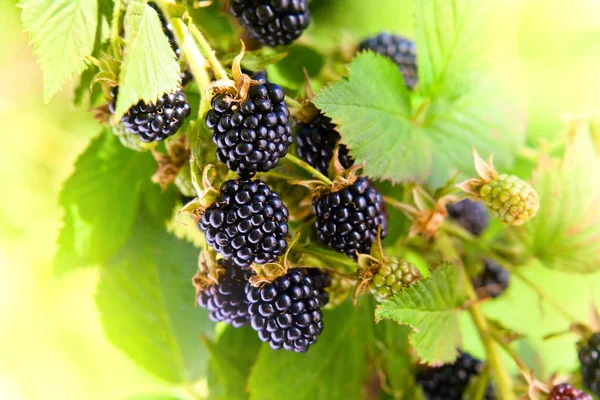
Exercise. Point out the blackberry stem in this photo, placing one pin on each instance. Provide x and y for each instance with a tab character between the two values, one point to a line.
305	166
209	53
193	56
115	36
331	256
293	102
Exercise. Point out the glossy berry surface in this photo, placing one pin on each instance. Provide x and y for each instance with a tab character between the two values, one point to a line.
322	281
287	313
471	215
568	392
347	220
392	277
167	30
589	358
252	136
400	50
247	223
272	22
226	300
316	141
157	120
492	281
449	381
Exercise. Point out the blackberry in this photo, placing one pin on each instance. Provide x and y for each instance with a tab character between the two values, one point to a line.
568	392
347	220
316	142
186	77
400	50
286	313
392	277
589	358
156	120
493	281
471	215
322	281
272	22
510	199
226	300
449	381
167	30
251	136
247	223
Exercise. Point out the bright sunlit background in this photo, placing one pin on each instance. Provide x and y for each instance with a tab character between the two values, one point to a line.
52	344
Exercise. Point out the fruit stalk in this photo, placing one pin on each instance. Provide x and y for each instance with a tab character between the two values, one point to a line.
193	56
305	166
209	53
116	28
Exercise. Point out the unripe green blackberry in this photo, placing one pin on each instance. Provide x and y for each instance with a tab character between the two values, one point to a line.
338	291
392	277
510	199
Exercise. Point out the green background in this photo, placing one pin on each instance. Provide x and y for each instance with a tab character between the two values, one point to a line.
52	345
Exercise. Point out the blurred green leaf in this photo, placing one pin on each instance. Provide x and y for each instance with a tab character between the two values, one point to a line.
146	301
372	110
565	234
149	68
62	33
233	354
432	308
289	71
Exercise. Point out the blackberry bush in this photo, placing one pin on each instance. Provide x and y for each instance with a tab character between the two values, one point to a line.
400	50
287	312
247	223
253	135
589	358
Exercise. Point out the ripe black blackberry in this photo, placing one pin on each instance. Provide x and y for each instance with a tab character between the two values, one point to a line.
567	392
157	120
247	223
322	281
226	300
347	220
272	22
167	30
449	381
493	281
287	313
251	136
471	215
315	143
186	77
589	358
400	50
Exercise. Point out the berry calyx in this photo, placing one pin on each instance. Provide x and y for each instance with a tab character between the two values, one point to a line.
286	313
247	223
400	50
589	358
391	277
272	22
471	215
567	392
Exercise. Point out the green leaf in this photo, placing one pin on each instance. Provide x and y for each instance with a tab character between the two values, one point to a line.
289	71
565	234
146	301
431	307
233	354
63	34
149	67
334	368
100	201
372	110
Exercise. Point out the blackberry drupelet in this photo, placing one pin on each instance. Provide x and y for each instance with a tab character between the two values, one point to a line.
167	30
322	281
272	22
347	220
247	223
567	392
287	313
315	143
471	215
589	358
449	381
251	136
400	50
226	300
493	281
156	120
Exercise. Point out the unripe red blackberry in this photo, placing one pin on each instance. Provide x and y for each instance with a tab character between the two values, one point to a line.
589	358
322	281
471	215
493	280
251	136
247	223
286	313
226	300
157	120
272	22
400	50
449	381
567	392
315	143
347	220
